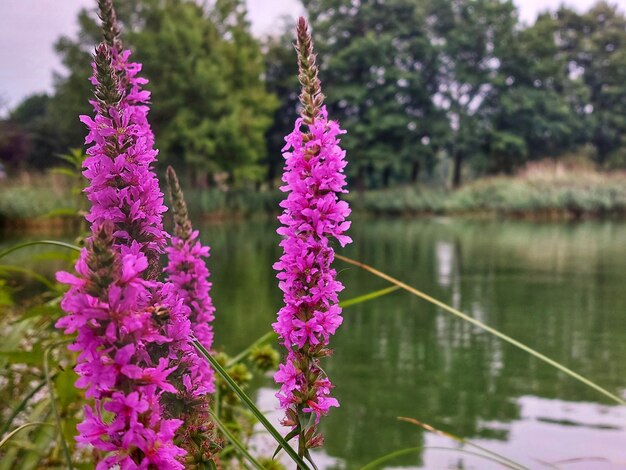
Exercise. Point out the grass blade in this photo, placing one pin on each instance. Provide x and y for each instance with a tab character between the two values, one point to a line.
235	442
370	296
270	335
29	273
485	327
376	464
53	404
38	242
19	408
8	437
251	406
463	441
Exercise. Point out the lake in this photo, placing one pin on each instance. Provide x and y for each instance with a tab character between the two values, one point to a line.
560	288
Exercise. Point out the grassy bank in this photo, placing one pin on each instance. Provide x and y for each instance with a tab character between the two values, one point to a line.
38	202
543	190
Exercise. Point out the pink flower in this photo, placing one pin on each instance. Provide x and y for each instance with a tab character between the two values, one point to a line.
313	215
151	375
188	273
133	332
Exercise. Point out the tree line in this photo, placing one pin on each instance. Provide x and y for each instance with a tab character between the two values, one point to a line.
422	86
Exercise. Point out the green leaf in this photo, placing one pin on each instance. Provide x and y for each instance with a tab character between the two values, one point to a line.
20	407
23	426
251	406
32	357
38	311
64	171
270	335
39	242
62	212
366	297
307	455
288	437
55	409
30	273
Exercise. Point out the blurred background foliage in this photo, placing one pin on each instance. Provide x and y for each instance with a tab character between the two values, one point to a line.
434	93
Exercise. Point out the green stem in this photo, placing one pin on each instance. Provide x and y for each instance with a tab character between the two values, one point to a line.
55	410
270	335
243	354
235	442
462	441
250	404
39	242
8	437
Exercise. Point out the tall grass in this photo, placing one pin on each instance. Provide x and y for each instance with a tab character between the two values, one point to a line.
33	195
543	189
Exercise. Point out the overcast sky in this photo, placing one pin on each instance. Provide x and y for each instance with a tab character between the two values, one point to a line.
29	28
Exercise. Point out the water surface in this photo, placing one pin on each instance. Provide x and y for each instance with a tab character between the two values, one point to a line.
559	288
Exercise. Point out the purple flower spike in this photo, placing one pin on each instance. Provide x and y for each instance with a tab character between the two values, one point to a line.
188	272
136	360
313	215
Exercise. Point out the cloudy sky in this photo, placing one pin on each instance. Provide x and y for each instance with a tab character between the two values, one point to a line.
28	29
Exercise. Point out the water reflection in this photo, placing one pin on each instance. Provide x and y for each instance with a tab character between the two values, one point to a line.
556	287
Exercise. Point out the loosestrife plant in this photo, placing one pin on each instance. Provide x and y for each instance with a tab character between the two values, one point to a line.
147	386
188	272
136	360
313	215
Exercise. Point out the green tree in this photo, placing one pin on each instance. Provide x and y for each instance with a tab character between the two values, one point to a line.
472	37
595	44
536	111
377	69
281	76
210	107
30	117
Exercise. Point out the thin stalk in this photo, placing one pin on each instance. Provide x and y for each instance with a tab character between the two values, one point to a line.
461	440
485	327
375	464
243	354
30	273
366	297
38	242
8	437
344	304
55	410
235	442
19	408
250	404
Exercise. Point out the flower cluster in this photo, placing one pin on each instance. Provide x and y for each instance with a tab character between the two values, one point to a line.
136	359
188	272
116	315
313	214
123	187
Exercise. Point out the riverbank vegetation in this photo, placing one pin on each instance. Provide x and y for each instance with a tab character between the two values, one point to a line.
546	190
